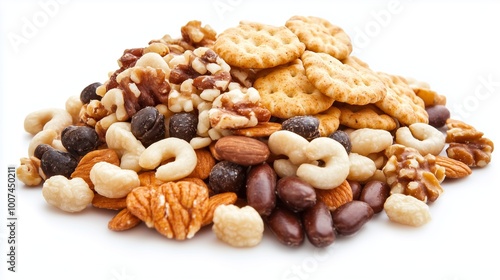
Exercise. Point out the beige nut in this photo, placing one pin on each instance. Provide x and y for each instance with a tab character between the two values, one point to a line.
73	106
288	143
360	167
68	195
111	181
336	168
27	172
120	138
238	227
54	118
365	141
184	163
407	210
114	102
421	136
46	136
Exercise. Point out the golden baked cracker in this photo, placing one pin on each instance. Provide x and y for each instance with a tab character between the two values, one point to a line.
257	45
319	35
286	92
400	101
342	82
328	121
365	116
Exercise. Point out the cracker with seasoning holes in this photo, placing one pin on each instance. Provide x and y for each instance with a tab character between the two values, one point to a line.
319	35
400	101
257	45
286	92
342	82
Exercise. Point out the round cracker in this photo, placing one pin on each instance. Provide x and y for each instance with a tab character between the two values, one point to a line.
257	45
401	102
286	92
342	82
319	35
365	116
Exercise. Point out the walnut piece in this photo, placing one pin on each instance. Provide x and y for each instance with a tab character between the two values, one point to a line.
198	36
410	173
27	172
467	145
175	209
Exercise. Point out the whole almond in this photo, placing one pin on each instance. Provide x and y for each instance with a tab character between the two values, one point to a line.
453	168
123	220
242	150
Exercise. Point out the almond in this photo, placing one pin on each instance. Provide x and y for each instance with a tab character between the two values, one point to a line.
242	150
453	168
87	162
100	201
123	220
262	129
336	197
204	164
216	200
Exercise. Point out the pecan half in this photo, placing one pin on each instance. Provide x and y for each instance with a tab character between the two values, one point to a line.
175	209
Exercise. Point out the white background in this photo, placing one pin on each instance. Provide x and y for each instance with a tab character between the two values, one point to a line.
50	52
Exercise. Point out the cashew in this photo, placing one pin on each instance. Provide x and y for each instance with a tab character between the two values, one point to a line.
54	118
111	181
73	107
285	142
336	160
360	168
113	102
184	163
120	138
423	137
68	195
365	141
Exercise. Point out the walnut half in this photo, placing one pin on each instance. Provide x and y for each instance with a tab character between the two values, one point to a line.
467	145
410	173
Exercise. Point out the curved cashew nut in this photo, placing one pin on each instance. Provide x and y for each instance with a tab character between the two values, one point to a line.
54	118
184	164
366	141
113	102
285	142
336	160
423	137
120	138
46	136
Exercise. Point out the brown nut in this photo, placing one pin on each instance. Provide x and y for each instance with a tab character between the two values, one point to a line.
318	225
295	193
350	217
336	197
90	159
123	220
453	168
242	150
261	188
286	226
375	193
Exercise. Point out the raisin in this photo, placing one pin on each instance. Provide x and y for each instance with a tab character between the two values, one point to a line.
89	93
226	176
41	149
305	126
148	125
79	140
54	162
343	138
183	126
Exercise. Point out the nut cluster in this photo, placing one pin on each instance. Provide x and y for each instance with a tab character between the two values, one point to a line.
178	138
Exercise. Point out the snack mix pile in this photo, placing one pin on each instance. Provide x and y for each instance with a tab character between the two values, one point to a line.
258	126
